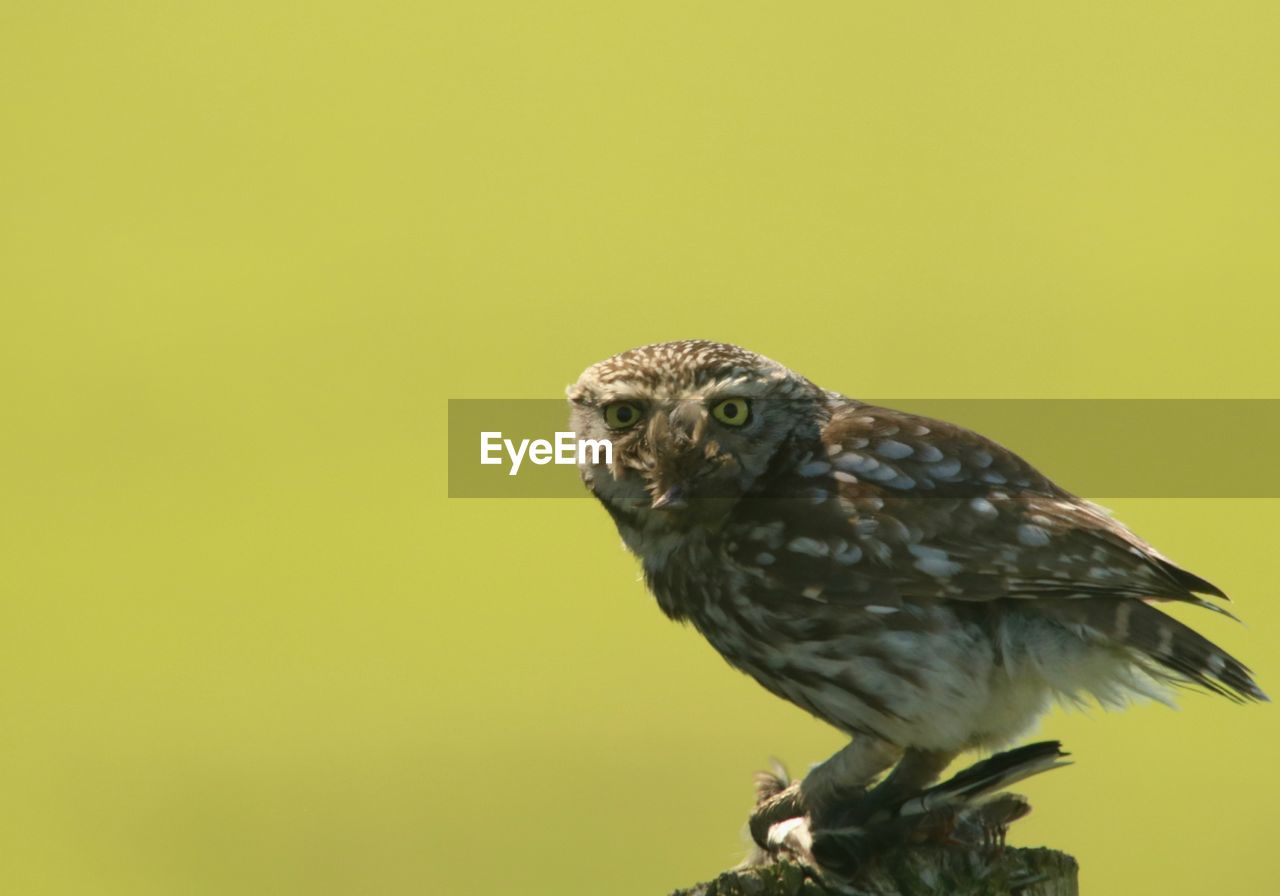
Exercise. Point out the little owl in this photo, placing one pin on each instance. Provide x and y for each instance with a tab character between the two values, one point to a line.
908	581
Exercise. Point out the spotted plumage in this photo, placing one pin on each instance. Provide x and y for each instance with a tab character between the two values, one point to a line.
904	579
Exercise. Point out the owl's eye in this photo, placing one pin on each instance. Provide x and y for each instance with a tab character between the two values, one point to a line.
622	415
732	411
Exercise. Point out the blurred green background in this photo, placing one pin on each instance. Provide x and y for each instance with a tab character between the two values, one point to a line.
249	250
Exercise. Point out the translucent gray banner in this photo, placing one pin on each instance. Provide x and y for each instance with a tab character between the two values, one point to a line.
1096	448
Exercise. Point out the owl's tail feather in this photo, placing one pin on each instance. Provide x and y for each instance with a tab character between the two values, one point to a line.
1181	654
988	777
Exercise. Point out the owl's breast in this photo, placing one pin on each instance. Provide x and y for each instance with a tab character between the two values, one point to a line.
923	674
747	622
685	574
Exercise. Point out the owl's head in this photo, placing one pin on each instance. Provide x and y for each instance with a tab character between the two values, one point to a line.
694	426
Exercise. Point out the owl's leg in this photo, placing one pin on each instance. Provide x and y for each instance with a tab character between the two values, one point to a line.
842	778
840	830
917	770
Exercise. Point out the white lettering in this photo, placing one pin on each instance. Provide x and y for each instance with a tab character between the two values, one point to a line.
488	444
565	449
516	456
540	452
595	446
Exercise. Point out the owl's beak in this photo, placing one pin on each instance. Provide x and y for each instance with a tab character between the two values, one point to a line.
677	437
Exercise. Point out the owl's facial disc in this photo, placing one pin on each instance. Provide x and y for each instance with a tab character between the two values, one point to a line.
694	426
687	459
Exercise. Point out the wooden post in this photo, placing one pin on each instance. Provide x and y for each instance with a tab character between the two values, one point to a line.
919	871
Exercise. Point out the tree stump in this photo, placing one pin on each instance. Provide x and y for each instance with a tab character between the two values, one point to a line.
919	871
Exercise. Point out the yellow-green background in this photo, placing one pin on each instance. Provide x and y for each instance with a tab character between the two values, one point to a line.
249	249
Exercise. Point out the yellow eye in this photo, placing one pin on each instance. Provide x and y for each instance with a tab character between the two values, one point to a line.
622	415
732	411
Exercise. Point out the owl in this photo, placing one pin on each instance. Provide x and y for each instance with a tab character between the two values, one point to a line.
910	582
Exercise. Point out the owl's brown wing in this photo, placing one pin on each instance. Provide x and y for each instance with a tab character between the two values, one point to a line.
895	508
904	505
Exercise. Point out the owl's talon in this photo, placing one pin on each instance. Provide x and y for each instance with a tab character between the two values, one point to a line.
775	804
